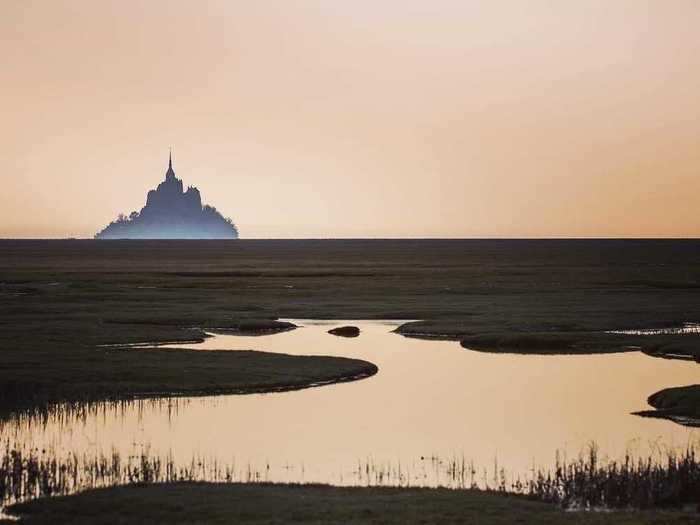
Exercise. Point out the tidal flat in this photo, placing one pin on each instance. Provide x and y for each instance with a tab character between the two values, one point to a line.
69	309
60	300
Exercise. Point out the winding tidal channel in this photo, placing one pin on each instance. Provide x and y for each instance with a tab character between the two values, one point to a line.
431	405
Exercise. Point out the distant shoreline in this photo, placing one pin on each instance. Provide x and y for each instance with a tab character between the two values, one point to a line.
368	239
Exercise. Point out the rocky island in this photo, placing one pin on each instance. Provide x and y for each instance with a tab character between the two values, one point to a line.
172	213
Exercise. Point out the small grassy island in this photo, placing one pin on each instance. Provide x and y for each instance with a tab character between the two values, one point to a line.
345	331
680	404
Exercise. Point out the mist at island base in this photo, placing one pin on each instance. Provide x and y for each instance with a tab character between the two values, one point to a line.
432	405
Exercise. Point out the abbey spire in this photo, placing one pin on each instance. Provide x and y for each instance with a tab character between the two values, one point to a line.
170	174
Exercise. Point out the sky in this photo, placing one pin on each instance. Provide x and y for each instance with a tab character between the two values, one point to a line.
363	118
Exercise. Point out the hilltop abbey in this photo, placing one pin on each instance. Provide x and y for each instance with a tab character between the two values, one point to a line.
171	213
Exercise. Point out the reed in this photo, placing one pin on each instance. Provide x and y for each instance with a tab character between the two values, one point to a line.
665	480
672	480
30	473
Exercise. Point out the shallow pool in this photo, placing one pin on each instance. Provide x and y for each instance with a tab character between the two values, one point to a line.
432	405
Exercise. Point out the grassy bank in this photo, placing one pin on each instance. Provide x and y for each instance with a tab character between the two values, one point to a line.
59	300
97	374
254	503
680	404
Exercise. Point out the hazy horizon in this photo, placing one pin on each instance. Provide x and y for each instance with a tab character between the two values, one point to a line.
413	119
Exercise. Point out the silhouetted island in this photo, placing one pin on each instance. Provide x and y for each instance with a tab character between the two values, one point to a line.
345	331
171	213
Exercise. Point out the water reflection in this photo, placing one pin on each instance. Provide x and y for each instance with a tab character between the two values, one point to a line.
435	414
685	328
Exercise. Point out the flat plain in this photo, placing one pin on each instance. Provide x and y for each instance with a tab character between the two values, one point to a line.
61	300
69	308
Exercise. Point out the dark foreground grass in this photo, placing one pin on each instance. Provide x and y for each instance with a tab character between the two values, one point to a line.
177	503
59	300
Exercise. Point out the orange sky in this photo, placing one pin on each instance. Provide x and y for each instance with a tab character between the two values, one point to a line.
440	118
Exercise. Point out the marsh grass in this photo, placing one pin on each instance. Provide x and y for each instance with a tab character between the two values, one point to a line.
27	473
670	480
665	480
